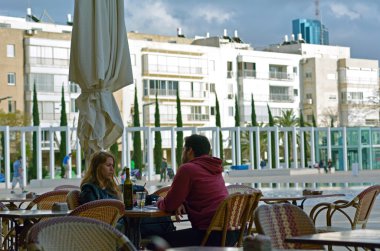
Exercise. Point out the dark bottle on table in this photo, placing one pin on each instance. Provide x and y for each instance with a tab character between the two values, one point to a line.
128	191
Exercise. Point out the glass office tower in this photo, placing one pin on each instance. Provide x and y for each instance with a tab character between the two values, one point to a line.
313	32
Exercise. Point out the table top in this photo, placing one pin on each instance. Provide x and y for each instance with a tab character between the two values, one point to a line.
204	248
301	197
15	199
355	238
146	212
26	214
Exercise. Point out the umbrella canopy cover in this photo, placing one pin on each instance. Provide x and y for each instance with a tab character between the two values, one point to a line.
100	63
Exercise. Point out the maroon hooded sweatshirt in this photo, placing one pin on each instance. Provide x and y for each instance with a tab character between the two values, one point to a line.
199	185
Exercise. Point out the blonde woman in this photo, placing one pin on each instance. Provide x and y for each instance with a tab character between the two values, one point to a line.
99	181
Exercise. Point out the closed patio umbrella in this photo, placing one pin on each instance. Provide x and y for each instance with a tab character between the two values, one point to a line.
100	64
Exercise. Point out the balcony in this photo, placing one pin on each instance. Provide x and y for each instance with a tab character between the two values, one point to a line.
51	62
247	73
280	75
186	94
174	70
284	98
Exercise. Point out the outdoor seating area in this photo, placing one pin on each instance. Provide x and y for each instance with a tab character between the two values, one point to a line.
245	210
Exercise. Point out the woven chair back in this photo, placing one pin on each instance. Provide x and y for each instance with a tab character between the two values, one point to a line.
280	221
72	199
45	201
232	214
76	233
67	187
162	192
240	189
365	201
107	210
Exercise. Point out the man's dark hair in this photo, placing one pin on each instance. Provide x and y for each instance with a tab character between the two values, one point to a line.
199	144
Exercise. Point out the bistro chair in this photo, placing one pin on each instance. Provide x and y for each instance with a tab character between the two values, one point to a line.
72	199
76	233
46	200
67	187
106	210
232	214
362	205
236	188
43	202
281	221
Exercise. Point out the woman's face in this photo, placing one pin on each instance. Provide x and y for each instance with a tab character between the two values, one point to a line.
106	169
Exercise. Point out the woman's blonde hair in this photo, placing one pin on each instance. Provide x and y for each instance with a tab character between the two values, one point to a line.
93	173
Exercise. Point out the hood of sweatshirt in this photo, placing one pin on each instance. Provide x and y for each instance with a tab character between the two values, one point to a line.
211	164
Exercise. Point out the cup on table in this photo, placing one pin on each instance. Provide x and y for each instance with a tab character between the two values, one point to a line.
140	199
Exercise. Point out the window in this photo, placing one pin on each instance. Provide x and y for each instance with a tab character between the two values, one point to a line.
309	95
295	70
10	50
11	78
308	75
231	111
229	69
73	105
212	87
11	106
212	110
295	92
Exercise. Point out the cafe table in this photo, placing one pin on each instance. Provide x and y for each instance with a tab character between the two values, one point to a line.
364	238
13	199
298	200
27	215
133	220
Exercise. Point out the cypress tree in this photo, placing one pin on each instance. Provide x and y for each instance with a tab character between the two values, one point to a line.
273	148
137	153
313	121
237	119
218	123
32	171
302	124
254	123
157	140
114	149
179	133
62	146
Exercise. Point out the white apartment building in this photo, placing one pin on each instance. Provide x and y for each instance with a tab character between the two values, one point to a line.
321	80
334	87
201	68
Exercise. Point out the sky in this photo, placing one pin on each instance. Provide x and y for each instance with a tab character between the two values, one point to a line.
351	23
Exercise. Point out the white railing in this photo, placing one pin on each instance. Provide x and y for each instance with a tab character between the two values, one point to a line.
232	138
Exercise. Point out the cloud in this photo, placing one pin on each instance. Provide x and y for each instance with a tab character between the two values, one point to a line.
341	10
213	15
151	17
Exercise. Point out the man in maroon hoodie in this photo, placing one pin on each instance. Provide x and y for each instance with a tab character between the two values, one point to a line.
197	189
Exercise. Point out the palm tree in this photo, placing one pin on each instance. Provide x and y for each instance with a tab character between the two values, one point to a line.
288	119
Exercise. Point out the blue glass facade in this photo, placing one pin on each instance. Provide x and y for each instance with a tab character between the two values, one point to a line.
311	31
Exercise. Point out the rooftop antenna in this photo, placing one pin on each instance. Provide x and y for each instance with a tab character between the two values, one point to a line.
318	17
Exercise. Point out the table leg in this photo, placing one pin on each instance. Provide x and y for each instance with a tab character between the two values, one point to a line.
132	231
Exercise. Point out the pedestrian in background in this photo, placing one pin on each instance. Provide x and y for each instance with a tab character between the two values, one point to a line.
65	164
18	174
164	168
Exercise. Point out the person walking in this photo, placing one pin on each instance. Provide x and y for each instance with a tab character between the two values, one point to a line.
329	165
65	164
322	165
18	174
164	168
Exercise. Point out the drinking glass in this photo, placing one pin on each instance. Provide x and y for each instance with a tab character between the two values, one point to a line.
140	199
